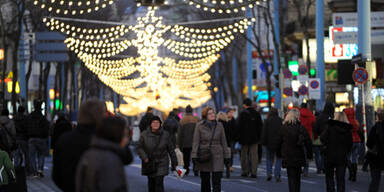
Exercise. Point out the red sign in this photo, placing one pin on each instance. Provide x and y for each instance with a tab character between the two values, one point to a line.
1	54
360	75
288	91
287	74
303	69
303	90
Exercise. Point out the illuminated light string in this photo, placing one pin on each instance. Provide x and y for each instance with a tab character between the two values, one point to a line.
222	6
72	7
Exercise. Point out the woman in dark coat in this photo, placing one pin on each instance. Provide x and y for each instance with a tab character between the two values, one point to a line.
270	139
101	168
295	146
204	131
337	139
155	145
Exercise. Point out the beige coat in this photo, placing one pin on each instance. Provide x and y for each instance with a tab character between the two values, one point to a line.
219	149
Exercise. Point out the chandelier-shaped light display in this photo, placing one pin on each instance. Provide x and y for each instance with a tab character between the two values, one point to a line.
224	6
150	79
72	7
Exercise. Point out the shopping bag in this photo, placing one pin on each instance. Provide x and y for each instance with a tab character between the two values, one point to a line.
179	172
180	158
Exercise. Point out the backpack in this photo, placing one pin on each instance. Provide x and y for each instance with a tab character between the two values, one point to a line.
7	140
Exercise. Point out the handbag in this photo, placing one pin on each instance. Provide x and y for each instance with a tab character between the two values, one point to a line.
150	167
204	154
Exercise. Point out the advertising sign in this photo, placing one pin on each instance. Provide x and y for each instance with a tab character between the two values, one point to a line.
1	54
350	19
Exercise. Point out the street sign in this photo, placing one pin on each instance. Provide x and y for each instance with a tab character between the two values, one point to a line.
360	75
288	91
357	59
50	47
1	54
314	88
287	74
303	69
303	90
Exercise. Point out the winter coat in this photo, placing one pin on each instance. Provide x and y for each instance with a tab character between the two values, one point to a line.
337	139
271	133
164	149
69	149
8	124
307	120
61	126
227	131
219	147
171	125
249	127
350	112
7	170
186	130
231	132
294	145
38	125
322	120
376	140
21	126
101	168
145	121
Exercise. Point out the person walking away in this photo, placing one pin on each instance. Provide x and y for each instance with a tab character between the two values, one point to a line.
353	156
20	122
270	139
185	137
375	153
71	145
230	134
294	148
61	126
307	120
8	140
106	155
210	150
145	120
320	125
7	171
154	149
249	131
337	139
38	132
172	125
223	119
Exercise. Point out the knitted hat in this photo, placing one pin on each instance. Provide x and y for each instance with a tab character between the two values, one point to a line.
156	118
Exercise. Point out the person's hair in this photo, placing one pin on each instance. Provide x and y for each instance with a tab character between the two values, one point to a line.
380	116
341	116
21	109
231	109
112	129
37	105
247	102
188	109
292	117
204	112
92	111
303	105
222	116
155	118
149	109
4	112
273	112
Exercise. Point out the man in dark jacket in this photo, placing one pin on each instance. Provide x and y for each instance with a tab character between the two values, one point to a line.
62	125
172	125
185	136
38	132
22	137
145	120
249	131
71	146
270	139
375	144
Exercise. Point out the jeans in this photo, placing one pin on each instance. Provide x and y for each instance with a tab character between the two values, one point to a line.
38	148
353	156
156	184
318	158
271	156
375	180
340	178
22	154
206	181
294	177
249	152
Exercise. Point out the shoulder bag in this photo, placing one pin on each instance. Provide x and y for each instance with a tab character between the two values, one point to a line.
205	155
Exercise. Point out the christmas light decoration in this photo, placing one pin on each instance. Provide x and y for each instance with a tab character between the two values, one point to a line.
224	6
72	7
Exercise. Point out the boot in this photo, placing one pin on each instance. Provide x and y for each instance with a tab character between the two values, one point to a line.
354	171
350	170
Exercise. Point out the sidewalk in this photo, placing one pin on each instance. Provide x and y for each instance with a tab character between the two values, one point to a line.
43	184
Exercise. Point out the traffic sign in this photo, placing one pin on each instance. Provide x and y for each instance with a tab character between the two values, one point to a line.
1	54
314	88
303	90
287	74
288	91
358	59
360	75
303	69
314	84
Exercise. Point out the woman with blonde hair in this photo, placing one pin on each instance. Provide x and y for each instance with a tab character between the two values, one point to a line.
337	139
294	148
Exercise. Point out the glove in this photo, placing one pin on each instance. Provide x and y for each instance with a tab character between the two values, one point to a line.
227	161
194	160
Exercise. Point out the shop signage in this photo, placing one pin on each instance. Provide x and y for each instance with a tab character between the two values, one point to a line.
314	88
350	37
1	54
351	19
360	75
303	90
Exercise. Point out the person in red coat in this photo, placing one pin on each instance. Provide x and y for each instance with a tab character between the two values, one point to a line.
352	160
307	120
